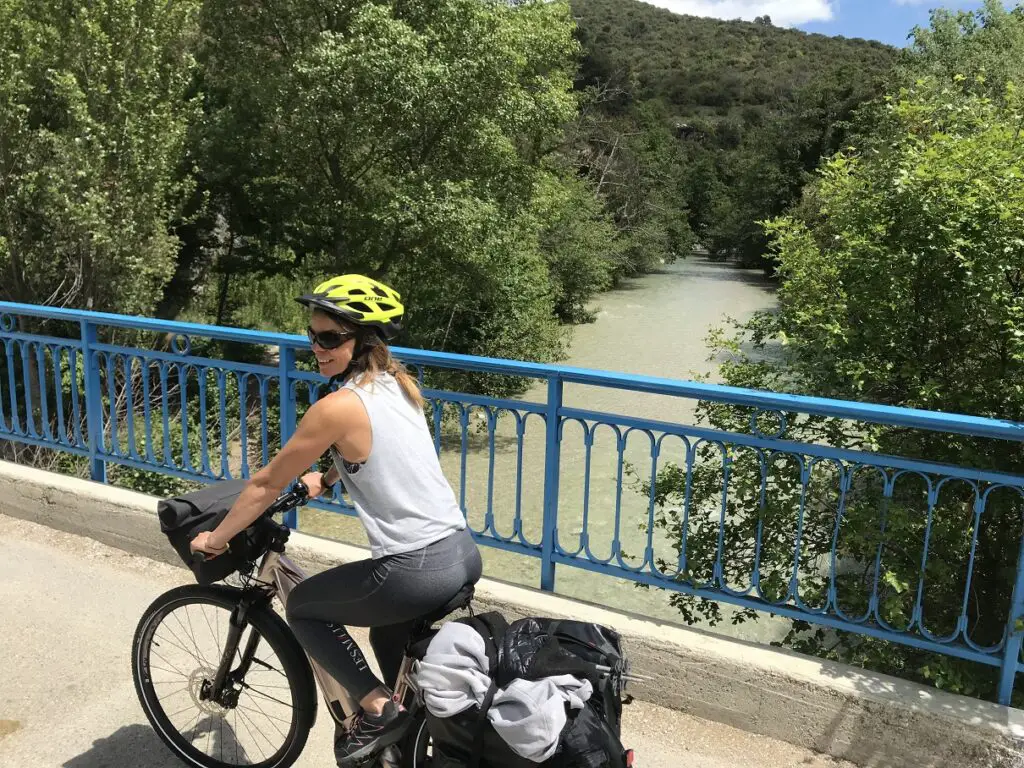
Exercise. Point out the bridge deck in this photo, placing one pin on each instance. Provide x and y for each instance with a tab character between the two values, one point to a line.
68	609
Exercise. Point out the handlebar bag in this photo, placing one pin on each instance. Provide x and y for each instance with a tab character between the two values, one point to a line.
184	516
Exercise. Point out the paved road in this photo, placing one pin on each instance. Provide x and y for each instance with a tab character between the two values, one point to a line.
68	610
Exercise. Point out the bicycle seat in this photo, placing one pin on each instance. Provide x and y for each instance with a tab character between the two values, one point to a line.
461	600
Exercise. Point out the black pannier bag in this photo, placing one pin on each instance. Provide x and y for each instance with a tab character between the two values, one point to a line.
183	517
538	647
535	648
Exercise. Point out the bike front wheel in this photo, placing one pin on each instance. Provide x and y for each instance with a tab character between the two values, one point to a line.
264	713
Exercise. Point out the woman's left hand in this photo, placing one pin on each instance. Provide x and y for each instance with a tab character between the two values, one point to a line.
314	482
202	543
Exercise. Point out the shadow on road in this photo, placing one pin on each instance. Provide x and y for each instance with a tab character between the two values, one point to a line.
135	745
139	746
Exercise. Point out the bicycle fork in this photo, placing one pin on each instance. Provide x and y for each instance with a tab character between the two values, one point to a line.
236	626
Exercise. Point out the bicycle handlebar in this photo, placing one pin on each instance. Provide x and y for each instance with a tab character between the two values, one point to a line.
290	499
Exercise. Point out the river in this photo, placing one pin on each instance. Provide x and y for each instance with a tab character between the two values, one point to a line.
653	325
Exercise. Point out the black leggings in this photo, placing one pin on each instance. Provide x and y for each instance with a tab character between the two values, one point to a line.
388	595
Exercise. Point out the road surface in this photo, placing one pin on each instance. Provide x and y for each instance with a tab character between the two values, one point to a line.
68	611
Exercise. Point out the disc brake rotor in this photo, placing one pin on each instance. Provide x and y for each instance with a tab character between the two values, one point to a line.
203	678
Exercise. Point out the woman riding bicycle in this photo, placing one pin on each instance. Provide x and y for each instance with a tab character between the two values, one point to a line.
422	552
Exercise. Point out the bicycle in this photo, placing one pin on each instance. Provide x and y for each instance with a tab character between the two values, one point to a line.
216	685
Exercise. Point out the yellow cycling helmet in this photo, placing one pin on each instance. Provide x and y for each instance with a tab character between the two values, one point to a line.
361	301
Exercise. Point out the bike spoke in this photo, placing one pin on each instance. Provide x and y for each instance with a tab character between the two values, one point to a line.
259	710
265	696
234	732
197	717
172	693
166	626
186	709
195	640
269	718
267	667
180	648
168	671
199	720
263	686
245	722
191	637
216	638
184	629
165	661
251	731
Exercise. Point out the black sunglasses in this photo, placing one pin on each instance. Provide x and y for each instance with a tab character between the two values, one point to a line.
328	339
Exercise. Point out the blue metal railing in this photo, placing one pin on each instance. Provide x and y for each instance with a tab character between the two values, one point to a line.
140	394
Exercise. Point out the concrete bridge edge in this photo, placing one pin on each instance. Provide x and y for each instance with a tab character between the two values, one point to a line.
849	713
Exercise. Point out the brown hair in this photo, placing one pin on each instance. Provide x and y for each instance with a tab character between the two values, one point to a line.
379	360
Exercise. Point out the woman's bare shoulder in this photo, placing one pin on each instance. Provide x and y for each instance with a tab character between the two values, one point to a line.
339	403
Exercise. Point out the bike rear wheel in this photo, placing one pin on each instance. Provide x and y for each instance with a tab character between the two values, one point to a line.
265	716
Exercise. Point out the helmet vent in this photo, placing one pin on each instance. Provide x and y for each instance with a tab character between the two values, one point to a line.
385	306
380	292
357	292
359	306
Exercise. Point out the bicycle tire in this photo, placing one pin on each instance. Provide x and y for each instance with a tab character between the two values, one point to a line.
272	629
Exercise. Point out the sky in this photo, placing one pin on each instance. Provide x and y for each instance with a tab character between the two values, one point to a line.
889	21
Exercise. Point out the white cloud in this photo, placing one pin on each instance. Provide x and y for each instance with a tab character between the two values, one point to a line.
784	13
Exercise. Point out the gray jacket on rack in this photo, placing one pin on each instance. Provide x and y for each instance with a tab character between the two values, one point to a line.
529	715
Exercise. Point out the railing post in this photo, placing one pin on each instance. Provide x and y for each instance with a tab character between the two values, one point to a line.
552	456
1014	634
93	403
286	364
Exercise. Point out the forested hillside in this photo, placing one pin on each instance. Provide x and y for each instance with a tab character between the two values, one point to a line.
728	117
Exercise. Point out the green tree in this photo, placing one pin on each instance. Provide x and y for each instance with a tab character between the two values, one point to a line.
94	108
579	241
636	167
985	42
404	140
902	284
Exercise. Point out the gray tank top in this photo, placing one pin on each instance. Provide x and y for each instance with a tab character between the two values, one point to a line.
400	493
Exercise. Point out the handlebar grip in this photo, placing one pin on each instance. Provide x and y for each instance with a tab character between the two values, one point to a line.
297	496
198	558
